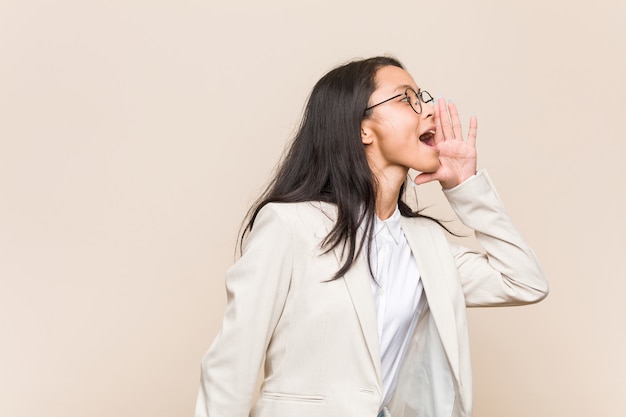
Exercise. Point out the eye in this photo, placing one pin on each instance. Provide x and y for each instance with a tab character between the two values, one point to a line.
411	97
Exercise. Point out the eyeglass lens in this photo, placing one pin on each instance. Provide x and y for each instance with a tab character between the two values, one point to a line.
415	101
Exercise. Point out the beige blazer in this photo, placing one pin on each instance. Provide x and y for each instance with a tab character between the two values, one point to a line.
318	340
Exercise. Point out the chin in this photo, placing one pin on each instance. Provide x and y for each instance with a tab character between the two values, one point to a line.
428	168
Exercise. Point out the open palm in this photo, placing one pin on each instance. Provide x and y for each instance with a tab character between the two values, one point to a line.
457	156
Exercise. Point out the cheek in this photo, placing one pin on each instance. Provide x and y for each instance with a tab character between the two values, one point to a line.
400	128
388	127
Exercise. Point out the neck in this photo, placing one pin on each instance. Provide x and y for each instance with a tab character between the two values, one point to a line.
387	192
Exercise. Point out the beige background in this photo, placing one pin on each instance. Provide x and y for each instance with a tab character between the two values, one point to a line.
134	134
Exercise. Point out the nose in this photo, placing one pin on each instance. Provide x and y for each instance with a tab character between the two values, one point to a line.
428	109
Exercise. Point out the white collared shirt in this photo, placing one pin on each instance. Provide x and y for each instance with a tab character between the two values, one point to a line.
399	296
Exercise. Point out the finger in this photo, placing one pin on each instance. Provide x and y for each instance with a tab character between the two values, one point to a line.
438	130
444	120
457	129
473	130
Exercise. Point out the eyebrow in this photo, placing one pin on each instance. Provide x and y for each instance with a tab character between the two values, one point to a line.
404	87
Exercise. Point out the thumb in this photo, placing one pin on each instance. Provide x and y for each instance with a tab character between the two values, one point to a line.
423	178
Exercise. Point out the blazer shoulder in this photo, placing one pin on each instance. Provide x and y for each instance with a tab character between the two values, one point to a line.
301	211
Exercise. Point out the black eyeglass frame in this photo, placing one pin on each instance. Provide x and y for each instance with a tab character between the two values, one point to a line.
420	99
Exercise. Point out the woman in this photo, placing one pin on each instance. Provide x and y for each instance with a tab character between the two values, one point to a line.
354	303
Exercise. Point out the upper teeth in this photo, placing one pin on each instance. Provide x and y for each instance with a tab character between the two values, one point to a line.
427	135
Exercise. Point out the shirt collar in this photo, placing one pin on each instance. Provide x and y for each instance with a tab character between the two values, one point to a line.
393	225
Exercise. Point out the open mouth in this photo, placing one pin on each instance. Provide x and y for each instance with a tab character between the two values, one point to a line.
428	137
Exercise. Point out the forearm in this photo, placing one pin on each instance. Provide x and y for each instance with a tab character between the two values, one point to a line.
508	273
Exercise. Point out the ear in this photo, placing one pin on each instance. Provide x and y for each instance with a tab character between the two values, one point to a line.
367	134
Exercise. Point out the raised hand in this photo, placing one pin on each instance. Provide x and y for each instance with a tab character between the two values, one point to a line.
457	155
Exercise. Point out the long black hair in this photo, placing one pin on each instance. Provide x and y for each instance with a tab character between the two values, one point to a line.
326	160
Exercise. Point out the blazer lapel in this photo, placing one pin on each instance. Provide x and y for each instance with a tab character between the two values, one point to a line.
357	281
430	266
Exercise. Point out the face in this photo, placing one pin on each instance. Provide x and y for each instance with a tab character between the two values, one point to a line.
395	137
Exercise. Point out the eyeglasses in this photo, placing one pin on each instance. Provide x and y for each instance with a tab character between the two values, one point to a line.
415	99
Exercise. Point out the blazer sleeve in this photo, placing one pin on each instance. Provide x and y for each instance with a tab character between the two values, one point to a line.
256	286
508	273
